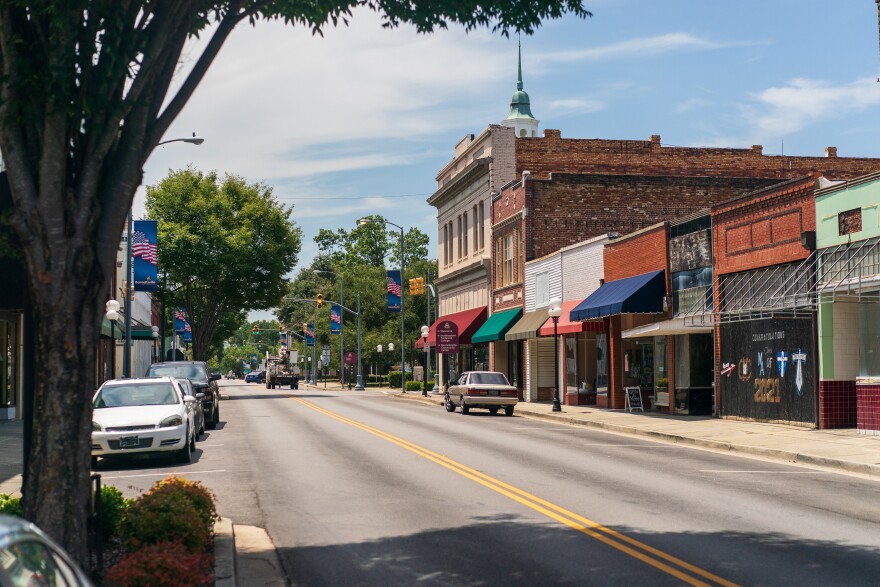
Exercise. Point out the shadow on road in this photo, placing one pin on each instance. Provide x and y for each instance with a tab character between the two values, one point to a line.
283	393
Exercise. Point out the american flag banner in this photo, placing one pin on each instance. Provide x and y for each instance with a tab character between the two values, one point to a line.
181	323
310	334
335	319
394	291
145	256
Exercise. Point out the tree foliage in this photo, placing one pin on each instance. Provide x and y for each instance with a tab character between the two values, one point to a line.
226	247
87	90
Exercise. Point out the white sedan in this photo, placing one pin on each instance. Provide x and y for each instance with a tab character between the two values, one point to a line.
136	416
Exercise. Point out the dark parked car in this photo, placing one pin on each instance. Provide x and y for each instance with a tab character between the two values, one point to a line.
255	377
203	382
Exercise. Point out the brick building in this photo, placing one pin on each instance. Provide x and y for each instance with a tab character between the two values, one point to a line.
765	336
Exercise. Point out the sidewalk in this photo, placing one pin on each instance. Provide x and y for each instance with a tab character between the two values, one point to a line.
846	449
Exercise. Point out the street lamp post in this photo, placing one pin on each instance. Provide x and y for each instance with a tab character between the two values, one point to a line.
363	221
129	286
112	312
555	311
427	361
155	334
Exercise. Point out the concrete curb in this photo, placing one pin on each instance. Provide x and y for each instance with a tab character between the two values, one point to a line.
777	454
224	553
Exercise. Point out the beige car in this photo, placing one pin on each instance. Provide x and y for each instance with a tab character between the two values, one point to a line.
481	389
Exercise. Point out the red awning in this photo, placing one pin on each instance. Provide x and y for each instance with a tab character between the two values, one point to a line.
566	326
468	323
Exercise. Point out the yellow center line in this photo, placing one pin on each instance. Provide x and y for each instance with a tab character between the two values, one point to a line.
572	520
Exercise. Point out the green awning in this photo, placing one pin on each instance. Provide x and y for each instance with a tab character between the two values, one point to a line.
139	332
118	332
528	325
497	326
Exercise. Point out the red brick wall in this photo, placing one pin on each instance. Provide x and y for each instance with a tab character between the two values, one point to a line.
868	407
837	404
569	208
764	228
637	254
551	153
506	219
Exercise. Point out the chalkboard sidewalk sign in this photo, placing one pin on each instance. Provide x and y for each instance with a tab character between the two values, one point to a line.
633	399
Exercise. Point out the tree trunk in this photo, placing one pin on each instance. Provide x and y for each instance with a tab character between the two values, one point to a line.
67	300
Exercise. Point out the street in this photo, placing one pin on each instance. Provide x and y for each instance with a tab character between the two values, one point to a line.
359	488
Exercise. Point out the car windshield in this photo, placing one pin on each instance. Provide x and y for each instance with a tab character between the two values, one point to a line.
180	371
488	379
136	394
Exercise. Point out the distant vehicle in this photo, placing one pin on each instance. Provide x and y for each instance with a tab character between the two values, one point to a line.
280	371
481	389
255	377
29	557
202	380
149	415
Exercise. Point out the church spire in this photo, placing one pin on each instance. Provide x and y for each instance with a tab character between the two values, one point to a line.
520	116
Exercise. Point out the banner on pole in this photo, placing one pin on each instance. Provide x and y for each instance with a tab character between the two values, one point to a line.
283	340
181	324
335	319
310	334
394	292
144	252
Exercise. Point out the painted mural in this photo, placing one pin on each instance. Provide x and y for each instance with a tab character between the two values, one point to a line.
768	370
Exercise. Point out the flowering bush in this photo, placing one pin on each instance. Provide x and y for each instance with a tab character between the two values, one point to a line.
163	517
11	506
198	495
164	564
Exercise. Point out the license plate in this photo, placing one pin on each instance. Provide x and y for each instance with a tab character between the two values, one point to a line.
129	442
493	392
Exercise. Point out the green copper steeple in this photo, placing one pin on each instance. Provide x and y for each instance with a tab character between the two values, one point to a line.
519	103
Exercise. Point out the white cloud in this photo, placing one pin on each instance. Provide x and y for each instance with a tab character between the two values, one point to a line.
637	48
576	106
790	108
691	104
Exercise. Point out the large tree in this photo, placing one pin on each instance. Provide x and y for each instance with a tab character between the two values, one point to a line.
226	247
85	96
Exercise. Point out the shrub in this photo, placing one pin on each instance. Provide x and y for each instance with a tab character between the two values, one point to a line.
414	386
163	516
164	564
113	506
394	378
198	495
11	506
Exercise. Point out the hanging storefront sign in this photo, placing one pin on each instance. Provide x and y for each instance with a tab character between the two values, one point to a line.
775	375
447	337
144	252
335	319
393	288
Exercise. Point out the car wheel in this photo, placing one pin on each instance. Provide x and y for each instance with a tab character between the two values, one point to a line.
493	411
450	405
508	410
202	429
464	407
184	455
192	443
212	423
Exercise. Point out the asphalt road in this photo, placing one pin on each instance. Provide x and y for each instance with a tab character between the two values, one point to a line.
365	489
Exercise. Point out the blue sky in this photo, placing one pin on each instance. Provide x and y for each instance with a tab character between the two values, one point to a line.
361	120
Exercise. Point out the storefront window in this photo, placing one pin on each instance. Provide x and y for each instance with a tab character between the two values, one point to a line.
694	361
661	375
602	362
481	357
690	289
8	360
638	363
869	340
452	367
571	374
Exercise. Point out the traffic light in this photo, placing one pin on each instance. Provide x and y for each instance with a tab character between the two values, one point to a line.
255	329
417	286
305	326
320	300
281	328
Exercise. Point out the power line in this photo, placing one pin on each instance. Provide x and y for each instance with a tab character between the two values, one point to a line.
353	197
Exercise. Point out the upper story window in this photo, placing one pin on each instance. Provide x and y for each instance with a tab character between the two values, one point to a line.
507	256
464	234
481	222
449	242
445	245
542	289
459	237
849	222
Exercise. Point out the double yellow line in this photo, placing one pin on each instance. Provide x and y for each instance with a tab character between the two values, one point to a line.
658	559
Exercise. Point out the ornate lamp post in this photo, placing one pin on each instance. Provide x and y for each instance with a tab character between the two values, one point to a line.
425	331
112	312
555	311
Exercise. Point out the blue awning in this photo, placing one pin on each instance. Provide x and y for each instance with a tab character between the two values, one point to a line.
642	294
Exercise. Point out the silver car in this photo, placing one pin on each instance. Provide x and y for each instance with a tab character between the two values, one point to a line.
481	389
29	557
